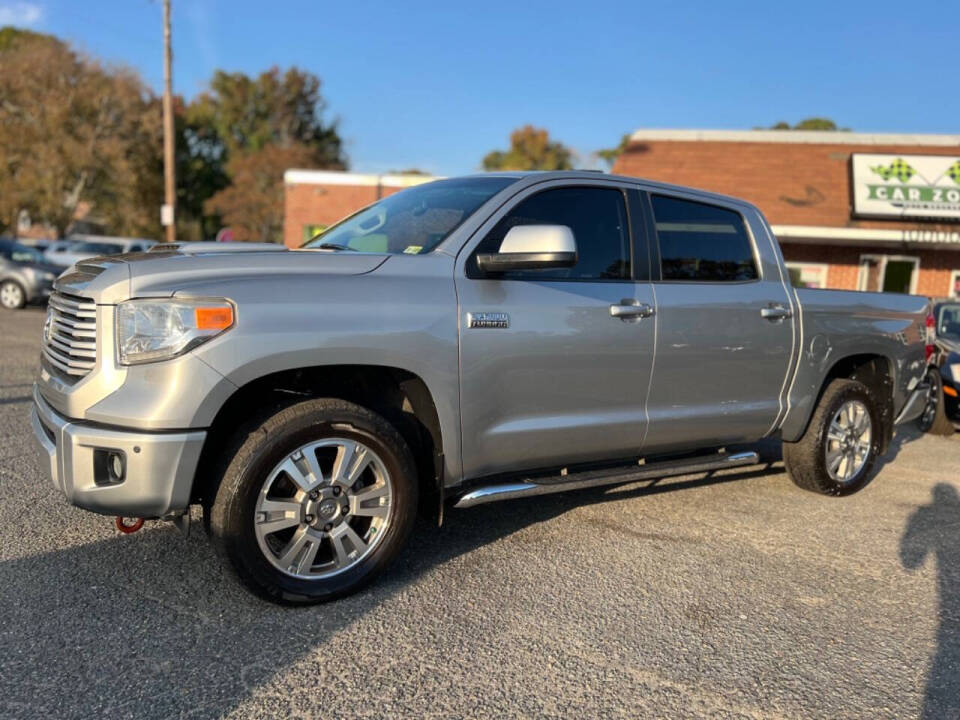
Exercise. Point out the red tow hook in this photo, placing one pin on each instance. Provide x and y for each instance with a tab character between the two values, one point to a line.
128	529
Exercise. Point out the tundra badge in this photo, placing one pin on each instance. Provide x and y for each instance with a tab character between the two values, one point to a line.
488	320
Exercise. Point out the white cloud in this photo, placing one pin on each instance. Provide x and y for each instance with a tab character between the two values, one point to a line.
20	13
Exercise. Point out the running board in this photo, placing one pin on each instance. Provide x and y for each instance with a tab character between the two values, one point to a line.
609	476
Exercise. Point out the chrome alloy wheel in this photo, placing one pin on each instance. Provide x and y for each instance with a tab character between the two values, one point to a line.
848	441
324	508
11	295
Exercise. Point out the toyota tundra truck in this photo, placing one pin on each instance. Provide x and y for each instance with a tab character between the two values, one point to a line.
461	342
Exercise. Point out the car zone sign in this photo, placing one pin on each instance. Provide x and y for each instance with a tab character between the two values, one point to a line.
915	186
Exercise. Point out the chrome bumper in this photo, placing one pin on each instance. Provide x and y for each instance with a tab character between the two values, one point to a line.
159	467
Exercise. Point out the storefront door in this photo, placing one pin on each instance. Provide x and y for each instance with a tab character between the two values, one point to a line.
889	273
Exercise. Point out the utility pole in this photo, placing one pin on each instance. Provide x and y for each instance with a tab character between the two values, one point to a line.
167	213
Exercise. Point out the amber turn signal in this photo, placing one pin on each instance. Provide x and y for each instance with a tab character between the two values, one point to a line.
213	318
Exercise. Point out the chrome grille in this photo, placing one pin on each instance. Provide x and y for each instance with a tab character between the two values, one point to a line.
70	334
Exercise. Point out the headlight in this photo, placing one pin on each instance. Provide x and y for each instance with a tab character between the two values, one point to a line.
955	371
151	330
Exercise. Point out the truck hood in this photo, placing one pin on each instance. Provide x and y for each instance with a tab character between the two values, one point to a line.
170	270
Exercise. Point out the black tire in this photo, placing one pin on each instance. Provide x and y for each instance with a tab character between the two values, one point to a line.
934	419
8	287
805	459
257	449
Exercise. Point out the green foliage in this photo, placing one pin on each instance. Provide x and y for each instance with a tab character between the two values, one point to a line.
610	155
248	114
530	149
811	123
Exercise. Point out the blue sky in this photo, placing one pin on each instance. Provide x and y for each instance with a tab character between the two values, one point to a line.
436	85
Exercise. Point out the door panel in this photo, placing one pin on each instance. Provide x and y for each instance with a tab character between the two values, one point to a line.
724	329
720	365
565	382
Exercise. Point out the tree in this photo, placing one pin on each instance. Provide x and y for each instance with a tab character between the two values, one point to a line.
530	149
72	132
201	172
253	203
610	155
247	114
237	137
811	123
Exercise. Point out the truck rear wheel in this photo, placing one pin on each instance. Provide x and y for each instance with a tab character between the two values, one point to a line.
837	452
314	502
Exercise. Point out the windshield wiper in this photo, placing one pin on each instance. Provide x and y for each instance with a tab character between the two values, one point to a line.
332	246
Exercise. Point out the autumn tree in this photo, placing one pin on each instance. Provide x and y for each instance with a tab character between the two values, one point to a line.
252	205
72	132
530	149
255	128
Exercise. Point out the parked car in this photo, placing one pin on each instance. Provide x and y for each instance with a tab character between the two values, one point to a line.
942	412
467	340
24	276
83	247
40	244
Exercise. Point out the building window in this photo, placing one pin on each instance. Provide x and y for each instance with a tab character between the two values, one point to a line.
955	285
808	275
889	273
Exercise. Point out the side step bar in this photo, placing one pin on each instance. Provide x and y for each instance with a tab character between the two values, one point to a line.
610	476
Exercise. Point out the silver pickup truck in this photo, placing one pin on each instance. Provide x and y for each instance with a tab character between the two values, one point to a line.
461	342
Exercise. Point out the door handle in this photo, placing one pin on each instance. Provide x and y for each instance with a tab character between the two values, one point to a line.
776	312
629	309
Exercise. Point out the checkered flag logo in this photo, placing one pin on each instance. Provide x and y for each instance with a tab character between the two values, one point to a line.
899	169
953	172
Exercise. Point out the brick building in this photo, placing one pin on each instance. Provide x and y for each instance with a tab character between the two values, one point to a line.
851	210
314	199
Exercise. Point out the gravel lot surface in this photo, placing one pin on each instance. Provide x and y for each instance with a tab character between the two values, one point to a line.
730	596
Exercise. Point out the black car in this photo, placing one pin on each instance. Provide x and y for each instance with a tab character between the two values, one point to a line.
943	409
24	275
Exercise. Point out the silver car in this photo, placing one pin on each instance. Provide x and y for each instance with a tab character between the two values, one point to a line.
24	275
464	341
67	252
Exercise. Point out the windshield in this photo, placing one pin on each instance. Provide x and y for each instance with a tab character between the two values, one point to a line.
948	322
97	248
413	221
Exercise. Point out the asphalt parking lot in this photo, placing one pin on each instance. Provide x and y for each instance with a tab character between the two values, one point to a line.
732	596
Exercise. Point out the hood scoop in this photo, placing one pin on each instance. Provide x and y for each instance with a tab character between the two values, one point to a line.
204	248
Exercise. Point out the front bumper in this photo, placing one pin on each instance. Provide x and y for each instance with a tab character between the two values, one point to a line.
159	466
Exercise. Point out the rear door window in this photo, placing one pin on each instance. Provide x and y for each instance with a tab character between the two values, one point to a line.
701	242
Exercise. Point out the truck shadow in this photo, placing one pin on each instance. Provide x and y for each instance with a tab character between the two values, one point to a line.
934	530
154	626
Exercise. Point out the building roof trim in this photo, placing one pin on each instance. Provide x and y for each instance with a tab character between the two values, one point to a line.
817	137
841	236
337	177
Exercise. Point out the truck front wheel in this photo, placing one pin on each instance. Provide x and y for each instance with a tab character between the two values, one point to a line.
837	452
315	501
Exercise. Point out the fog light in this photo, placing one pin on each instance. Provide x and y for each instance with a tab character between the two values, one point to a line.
116	466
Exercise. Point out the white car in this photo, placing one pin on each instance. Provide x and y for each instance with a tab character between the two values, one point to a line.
82	247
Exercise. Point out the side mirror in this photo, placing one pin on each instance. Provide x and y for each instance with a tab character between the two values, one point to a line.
532	247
